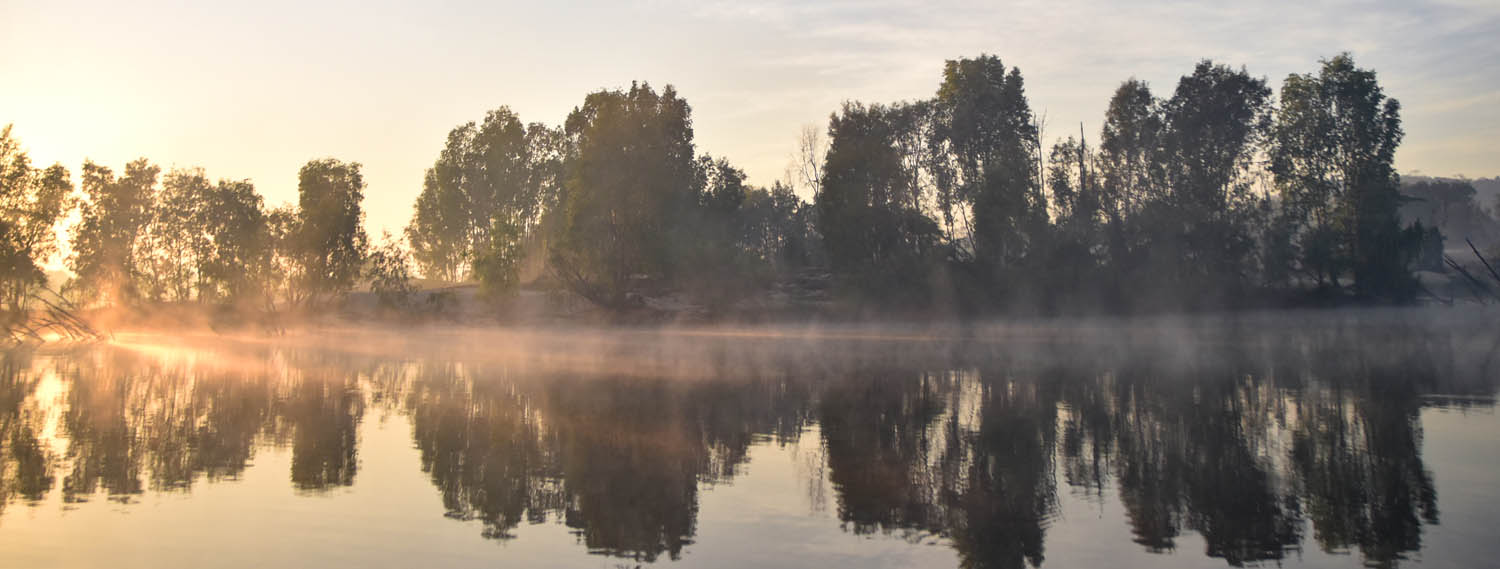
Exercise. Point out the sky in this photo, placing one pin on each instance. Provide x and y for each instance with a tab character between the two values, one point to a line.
253	90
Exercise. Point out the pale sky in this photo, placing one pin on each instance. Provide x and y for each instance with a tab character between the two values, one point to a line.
255	89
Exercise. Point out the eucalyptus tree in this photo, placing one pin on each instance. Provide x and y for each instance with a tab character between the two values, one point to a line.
1335	140
498	167
330	239
436	232
32	201
632	180
985	143
870	223
1215	127
1130	167
237	266
114	214
170	247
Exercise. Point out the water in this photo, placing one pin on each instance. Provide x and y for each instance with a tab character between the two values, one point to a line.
1317	439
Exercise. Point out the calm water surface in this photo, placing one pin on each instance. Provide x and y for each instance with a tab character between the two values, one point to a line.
1319	439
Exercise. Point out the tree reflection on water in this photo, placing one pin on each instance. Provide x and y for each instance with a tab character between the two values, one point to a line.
1244	438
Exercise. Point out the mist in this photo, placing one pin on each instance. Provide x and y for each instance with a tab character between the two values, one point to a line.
1218	325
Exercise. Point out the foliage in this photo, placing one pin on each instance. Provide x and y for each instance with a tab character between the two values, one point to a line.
1204	199
499	167
238	265
1335	140
330	238
1449	205
32	201
631	181
1214	123
172	243
115	213
284	270
986	148
389	273
869	207
498	265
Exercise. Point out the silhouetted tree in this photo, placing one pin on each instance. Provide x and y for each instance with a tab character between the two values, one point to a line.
32	201
631	183
172	245
115	213
499	168
986	143
1215	122
870	223
330	236
497	263
237	265
1335	139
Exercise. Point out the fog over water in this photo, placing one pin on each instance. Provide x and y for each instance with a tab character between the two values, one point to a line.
1316	438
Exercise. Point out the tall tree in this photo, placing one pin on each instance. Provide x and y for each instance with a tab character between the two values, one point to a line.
1131	180
1129	150
331	237
632	181
1216	123
284	277
170	248
1335	142
114	215
867	214
237	265
32	200
499	167
987	142
437	231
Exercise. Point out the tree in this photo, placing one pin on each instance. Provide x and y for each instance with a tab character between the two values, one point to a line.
32	200
1448	205
238	263
285	273
436	232
806	168
778	228
330	236
117	210
1334	143
498	167
1075	199
552	154
1131	173
631	183
1129	151
497	264
869	221
173	242
1215	124
389	272
986	141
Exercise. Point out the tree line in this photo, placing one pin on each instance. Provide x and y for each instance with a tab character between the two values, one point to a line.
1215	196
1205	198
141	236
